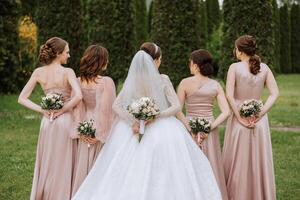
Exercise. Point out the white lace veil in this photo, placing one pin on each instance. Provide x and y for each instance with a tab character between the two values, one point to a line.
143	79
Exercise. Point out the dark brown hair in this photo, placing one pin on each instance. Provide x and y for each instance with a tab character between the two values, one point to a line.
94	59
204	60
247	45
50	50
152	49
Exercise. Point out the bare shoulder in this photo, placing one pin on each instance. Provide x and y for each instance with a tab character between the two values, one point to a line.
68	70
234	65
186	81
38	72
264	67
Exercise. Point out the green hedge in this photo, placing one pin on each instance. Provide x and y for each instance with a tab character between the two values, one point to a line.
141	22
9	46
112	24
175	28
240	18
295	37
285	40
62	19
276	36
213	16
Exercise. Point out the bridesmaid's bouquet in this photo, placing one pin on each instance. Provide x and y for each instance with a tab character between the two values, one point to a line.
86	128
199	125
143	109
52	101
250	108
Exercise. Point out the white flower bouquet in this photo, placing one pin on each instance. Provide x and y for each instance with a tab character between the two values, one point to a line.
143	109
52	101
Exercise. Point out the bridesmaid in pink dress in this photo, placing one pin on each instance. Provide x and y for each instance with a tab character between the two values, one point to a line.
198	93
55	150
99	94
247	151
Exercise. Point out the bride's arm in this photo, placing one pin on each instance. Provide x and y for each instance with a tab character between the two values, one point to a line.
181	93
121	111
172	98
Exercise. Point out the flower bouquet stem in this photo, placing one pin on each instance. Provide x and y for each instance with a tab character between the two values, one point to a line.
142	129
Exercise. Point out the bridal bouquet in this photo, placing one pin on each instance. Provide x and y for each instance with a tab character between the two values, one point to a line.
250	108
86	128
199	125
143	109
52	101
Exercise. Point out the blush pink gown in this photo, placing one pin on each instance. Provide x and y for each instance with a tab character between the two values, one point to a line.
247	153
97	105
55	156
200	104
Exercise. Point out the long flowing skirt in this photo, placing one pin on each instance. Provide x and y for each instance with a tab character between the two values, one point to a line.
54	160
248	161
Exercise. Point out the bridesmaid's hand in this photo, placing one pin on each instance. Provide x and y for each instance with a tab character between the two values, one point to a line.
91	140
46	113
245	122
256	119
83	138
57	113
136	128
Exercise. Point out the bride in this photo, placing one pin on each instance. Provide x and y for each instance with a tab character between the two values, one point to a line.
166	164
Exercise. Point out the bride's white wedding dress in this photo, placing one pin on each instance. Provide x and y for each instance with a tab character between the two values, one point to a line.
165	165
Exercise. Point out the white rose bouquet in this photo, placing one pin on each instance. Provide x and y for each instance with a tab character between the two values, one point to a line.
143	109
250	108
200	128
52	101
86	128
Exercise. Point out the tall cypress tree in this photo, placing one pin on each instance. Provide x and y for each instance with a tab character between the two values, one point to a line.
150	14
203	25
8	46
62	19
213	15
285	40
295	37
175	29
228	39
276	36
112	23
141	21
241	20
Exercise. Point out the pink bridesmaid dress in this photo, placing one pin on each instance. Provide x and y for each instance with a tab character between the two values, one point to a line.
247	153
97	105
200	104
55	156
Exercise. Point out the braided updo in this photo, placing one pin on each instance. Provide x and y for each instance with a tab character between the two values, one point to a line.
50	50
247	45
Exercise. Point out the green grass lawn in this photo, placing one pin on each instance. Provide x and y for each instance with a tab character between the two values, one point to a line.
19	129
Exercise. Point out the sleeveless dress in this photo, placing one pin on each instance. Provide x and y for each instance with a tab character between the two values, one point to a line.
200	104
247	153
